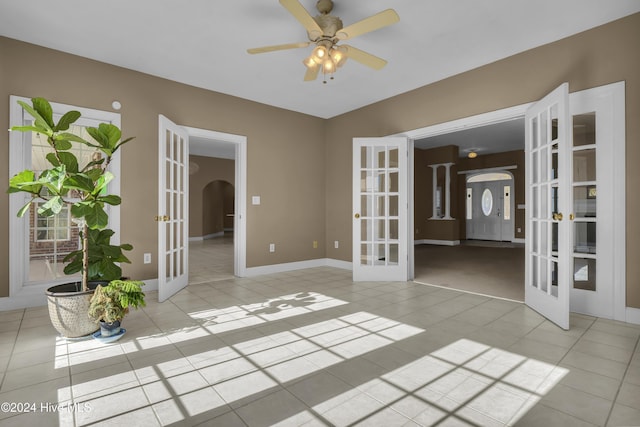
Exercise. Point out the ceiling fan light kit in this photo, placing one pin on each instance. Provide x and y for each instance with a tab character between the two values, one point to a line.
325	31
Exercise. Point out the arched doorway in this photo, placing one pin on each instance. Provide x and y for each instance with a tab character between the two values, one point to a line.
218	201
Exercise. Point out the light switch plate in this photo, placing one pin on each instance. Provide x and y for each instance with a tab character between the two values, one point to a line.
255	200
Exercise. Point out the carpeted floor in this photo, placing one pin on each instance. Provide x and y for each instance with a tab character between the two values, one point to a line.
485	268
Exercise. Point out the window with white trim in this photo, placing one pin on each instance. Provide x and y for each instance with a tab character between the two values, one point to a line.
39	244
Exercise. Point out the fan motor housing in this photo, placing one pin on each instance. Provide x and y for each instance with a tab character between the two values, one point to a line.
329	24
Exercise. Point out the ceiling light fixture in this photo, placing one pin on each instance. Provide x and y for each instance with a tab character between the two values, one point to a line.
472	155
326	57
325	31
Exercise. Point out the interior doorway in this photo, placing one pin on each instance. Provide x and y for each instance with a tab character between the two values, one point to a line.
596	141
213	193
479	246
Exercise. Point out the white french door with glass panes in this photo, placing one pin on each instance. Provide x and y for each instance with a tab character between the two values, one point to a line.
575	250
598	190
548	200
38	244
173	208
380	241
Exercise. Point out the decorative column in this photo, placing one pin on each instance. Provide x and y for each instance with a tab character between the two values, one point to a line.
447	185
434	198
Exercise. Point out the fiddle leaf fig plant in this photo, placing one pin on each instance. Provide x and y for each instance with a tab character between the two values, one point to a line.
80	187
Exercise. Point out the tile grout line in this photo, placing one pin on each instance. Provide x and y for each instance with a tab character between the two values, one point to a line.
615	398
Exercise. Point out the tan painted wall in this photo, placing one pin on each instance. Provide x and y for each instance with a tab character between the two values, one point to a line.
210	169
291	214
600	56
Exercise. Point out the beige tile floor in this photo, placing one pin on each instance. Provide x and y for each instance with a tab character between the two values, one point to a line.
211	259
310	348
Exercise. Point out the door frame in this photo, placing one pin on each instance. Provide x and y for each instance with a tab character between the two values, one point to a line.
518	111
240	222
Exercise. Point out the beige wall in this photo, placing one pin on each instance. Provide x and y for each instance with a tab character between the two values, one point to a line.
600	56
291	214
295	159
209	169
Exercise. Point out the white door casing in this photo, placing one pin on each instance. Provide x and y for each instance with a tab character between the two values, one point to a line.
173	208
548	199
380	209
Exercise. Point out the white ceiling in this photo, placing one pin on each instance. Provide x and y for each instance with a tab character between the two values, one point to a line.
203	42
489	139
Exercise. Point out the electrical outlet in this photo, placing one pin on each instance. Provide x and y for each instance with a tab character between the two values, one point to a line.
147	258
519	230
272	247
336	244
315	244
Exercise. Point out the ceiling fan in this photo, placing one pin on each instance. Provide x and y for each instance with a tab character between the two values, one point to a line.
325	31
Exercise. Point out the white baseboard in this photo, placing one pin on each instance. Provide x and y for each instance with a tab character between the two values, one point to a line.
632	315
518	241
207	237
34	296
437	242
299	265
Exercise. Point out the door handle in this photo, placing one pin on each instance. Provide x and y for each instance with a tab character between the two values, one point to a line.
557	216
571	217
160	218
357	215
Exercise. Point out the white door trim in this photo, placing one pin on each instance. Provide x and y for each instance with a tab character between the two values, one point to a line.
240	222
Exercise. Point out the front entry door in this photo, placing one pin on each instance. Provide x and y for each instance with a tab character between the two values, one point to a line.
380	209
489	217
173	205
548	201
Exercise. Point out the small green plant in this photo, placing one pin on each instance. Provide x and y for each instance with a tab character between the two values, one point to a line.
112	302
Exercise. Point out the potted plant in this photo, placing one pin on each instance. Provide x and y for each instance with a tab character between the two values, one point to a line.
109	304
83	189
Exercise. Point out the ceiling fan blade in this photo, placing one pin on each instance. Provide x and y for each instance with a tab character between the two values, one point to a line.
300	13
364	58
312	73
277	47
372	23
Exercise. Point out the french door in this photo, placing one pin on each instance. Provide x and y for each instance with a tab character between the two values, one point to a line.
380	209
173	233
575	201
548	199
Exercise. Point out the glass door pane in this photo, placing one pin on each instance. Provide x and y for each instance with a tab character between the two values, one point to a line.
584	202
